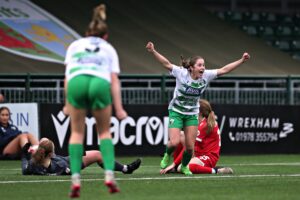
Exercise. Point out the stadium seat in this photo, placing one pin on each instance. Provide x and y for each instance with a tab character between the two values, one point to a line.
283	45
296	56
251	18
270	18
287	20
255	17
267	32
237	18
296	31
296	45
251	30
284	31
277	30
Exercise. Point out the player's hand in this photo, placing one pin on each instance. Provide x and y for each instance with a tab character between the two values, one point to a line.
169	168
245	57
150	47
121	114
32	149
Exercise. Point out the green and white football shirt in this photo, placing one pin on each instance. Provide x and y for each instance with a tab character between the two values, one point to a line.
187	92
92	56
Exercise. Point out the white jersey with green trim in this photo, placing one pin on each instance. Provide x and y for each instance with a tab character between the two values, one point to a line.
92	56
187	92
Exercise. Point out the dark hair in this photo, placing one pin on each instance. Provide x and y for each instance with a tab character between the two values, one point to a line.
5	108
97	27
189	62
207	112
45	148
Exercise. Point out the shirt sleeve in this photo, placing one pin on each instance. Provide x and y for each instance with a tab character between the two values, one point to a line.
114	61
68	54
176	70
210	75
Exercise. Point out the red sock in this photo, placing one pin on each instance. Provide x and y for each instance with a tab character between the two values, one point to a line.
177	150
178	154
198	169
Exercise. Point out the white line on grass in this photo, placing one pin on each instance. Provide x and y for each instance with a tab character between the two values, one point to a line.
236	164
248	164
264	164
158	178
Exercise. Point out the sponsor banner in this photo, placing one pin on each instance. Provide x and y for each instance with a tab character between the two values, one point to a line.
252	129
244	129
24	116
28	30
144	132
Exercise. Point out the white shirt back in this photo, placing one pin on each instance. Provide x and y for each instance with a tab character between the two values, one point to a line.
93	56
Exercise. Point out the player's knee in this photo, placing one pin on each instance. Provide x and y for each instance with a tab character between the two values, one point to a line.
197	161
174	142
23	136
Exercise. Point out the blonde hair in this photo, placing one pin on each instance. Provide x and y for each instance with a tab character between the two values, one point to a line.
207	112
97	27
45	148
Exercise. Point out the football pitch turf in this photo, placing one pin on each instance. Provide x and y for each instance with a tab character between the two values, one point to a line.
265	177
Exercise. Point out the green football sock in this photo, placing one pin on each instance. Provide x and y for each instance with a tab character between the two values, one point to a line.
186	158
75	152
169	150
108	154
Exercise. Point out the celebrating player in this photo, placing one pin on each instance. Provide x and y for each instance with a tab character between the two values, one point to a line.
191	81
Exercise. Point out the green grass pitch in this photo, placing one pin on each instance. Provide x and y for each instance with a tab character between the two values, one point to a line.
265	177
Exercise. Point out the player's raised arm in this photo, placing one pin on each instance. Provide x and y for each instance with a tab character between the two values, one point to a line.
160	58
231	66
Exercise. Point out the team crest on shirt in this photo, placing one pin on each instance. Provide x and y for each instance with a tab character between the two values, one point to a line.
171	121
3	129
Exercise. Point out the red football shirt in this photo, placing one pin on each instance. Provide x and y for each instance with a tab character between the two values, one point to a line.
207	144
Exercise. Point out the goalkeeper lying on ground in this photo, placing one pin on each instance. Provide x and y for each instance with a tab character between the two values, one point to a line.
43	161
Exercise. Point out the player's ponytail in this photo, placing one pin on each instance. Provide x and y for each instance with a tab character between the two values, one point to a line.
208	113
97	27
185	62
211	122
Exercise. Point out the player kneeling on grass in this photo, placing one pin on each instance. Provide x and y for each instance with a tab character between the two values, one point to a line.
206	149
42	160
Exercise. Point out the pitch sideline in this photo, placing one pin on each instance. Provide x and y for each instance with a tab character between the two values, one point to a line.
160	178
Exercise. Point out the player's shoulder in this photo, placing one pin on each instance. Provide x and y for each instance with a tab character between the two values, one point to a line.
110	47
179	71
179	68
13	127
210	72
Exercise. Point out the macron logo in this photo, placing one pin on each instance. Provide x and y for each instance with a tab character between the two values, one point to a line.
61	124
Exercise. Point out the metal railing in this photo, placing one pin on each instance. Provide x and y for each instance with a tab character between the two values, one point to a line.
158	89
